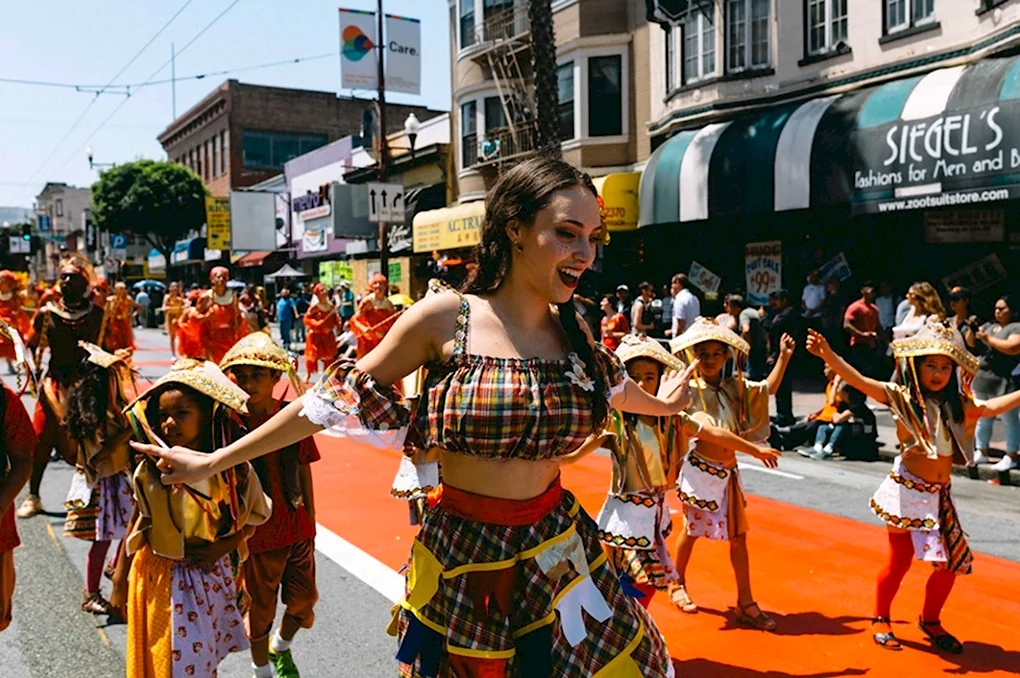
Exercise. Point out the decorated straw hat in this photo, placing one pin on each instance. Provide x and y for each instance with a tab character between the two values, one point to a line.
22	357
936	338
206	378
707	329
633	347
259	350
104	359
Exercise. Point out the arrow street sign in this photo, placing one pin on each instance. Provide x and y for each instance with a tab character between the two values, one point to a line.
385	203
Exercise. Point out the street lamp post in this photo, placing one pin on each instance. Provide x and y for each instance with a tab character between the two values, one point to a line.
93	164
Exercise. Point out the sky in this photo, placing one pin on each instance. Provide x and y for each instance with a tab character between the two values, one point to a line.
88	42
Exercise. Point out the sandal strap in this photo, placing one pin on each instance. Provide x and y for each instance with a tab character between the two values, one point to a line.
922	622
880	620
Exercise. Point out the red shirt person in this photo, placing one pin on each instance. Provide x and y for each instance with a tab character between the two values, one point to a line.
614	324
861	321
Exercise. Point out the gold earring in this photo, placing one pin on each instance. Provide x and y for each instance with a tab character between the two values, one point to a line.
518	246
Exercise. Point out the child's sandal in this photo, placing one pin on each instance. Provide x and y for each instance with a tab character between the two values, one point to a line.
760	621
887	640
94	603
939	637
681	600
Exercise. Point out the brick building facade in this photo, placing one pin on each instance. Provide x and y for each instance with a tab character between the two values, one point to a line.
240	134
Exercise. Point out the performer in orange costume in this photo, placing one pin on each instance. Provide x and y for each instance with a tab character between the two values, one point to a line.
226	325
322	320
173	307
191	327
119	314
11	313
375	316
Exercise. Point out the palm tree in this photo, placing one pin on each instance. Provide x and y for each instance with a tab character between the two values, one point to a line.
543	64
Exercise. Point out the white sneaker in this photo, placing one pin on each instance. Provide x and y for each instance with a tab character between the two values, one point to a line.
1005	464
979	458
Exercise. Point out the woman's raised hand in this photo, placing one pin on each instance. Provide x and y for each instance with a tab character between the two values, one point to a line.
179	464
817	345
675	387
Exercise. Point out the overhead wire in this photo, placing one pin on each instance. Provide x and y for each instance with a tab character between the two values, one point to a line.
74	125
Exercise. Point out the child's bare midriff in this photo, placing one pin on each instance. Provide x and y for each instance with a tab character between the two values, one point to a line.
716	454
931	470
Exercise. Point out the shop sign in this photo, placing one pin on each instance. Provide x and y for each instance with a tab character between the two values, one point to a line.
314	240
463	228
965	157
704	279
217	222
837	267
958	226
313	205
763	270
399	237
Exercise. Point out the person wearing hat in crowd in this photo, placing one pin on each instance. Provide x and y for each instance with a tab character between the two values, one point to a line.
281	560
375	316
709	485
935	418
226	324
59	325
11	313
623	303
100	501
346	302
183	610
18	442
647	453
322	322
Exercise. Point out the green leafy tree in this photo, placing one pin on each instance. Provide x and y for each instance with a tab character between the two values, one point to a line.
158	200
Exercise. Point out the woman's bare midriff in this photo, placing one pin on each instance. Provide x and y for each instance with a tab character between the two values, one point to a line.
499	478
930	470
716	454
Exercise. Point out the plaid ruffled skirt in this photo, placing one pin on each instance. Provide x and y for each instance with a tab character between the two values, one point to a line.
519	588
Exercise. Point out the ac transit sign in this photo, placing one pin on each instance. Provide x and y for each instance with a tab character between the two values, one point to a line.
972	149
313	205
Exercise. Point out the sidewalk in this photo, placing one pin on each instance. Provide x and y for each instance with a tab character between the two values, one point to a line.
807	401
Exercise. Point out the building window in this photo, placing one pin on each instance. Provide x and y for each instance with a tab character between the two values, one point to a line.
565	88
827	25
605	96
903	14
699	45
270	150
747	34
467	23
223	152
215	165
205	155
670	58
198	162
468	134
494	113
60	207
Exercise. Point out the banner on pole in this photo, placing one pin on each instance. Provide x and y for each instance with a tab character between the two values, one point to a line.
358	65
403	54
763	270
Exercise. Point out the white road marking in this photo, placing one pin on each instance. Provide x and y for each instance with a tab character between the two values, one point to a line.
770	471
369	570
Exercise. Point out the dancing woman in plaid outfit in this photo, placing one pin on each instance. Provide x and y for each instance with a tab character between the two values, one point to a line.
507	576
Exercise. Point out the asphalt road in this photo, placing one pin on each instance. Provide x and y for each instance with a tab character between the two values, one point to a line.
52	638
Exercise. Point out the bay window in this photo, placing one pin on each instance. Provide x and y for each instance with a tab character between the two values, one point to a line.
826	25
699	45
747	34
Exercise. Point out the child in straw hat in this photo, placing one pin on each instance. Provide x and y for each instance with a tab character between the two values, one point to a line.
647	453
282	550
709	484
935	418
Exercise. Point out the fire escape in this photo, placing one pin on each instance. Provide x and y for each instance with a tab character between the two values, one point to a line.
504	50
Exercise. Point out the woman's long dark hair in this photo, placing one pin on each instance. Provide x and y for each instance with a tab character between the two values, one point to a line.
519	194
87	403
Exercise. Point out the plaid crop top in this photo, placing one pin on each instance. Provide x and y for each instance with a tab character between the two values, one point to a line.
497	408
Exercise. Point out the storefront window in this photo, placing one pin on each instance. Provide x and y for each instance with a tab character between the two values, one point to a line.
468	134
747	34
565	87
903	14
605	96
827	25
699	46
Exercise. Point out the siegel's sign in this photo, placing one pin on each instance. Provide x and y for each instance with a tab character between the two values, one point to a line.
313	205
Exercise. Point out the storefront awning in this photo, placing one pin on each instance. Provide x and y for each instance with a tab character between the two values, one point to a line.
252	259
156	262
620	196
449	227
948	138
188	252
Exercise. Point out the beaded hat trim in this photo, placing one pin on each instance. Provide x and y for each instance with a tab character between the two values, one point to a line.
937	338
707	329
633	347
206	378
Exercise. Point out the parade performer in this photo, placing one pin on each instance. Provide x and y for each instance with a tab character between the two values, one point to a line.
375	316
60	325
281	559
101	292
709	485
11	312
183	614
935	418
322	321
507	575
173	307
17	446
120	312
192	326
100	502
647	453
226	324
